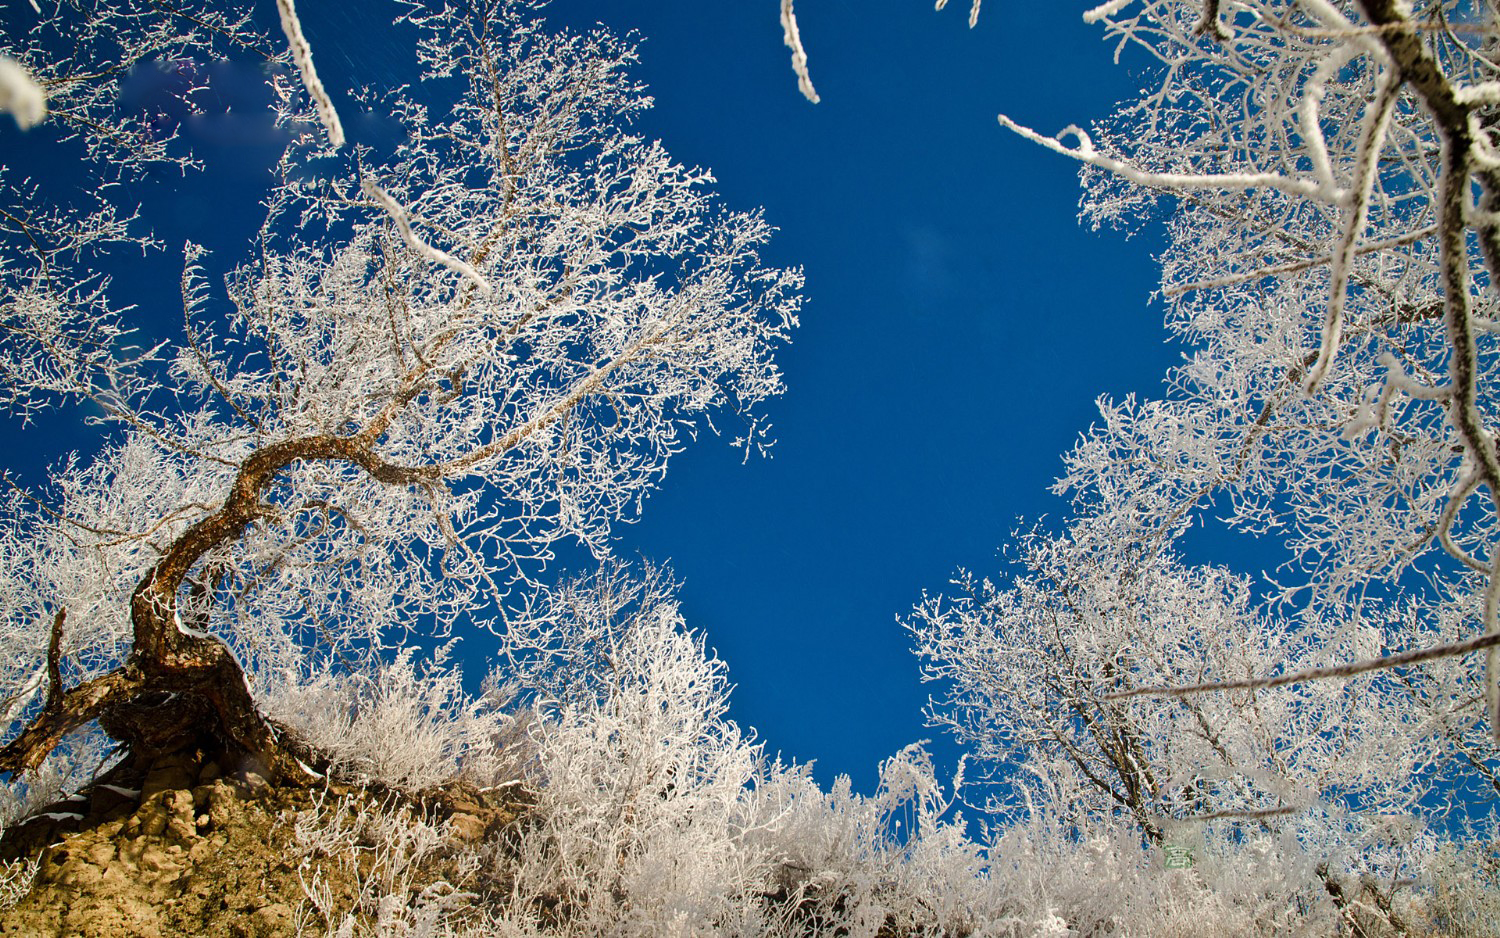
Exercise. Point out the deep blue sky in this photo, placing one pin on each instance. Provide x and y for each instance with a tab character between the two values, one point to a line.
959	325
959	322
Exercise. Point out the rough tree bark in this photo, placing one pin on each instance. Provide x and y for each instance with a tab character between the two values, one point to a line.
181	685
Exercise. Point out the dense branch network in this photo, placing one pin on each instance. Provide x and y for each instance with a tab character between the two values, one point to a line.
421	386
1326	176
1320	158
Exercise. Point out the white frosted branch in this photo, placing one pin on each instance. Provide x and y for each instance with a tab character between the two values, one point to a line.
1232	181
403	225
1336	24
1249	814
1310	111
1466	487
1376	120
1397	377
302	53
1485	159
793	39
1370	415
23	697
1492	654
1105	9
1482	94
1292	267
20	94
973	10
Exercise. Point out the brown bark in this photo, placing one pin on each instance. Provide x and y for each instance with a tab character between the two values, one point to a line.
88	701
178	687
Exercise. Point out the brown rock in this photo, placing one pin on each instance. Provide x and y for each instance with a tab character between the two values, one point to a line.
213	860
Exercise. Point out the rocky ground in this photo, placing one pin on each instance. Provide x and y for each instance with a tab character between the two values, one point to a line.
184	846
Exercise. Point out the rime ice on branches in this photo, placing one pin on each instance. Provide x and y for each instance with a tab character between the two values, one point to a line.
387	431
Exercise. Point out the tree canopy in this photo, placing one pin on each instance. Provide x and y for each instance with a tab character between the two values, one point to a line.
441	360
382	435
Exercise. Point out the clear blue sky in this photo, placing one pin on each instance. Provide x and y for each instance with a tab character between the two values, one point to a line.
959	325
959	322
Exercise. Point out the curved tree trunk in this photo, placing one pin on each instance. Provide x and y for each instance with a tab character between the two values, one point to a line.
190	692
181	684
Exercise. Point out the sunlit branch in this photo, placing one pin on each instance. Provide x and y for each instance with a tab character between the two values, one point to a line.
793	39
1085	153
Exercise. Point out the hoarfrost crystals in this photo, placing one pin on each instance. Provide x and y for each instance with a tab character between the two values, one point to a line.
793	39
302	53
403	225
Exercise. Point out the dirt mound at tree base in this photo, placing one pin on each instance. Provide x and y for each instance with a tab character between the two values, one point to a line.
180	848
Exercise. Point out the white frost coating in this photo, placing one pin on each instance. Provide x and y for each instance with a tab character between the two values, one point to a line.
1234	181
189	630
1310	111
1334	19
121	790
1085	142
302	52
308	769
973	11
20	94
1492	654
196	633
1487	92
793	40
1486	158
1369	247
24	696
403	225
1105	9
1373	125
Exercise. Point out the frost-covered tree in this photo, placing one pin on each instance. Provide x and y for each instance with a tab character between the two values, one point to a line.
1326	175
655	814
435	364
1029	671
1343	781
1326	172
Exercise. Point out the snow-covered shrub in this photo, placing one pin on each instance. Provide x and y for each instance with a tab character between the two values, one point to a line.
16	878
1461	889
657	815
1102	879
892	860
363	869
1076	873
641	794
404	723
